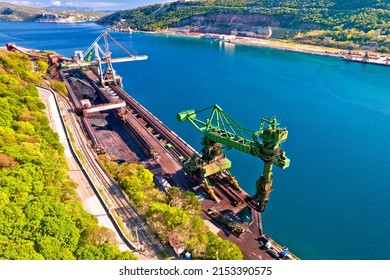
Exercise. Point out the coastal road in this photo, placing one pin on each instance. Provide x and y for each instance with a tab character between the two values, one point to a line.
84	189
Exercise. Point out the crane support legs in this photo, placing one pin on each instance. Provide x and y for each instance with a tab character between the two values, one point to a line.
263	189
209	189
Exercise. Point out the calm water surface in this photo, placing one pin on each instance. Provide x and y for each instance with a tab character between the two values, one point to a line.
333	202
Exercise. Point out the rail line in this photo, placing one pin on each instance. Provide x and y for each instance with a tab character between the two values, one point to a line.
234	197
176	146
152	246
155	124
132	125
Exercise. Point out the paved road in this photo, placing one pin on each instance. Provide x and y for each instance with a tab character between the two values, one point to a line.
89	200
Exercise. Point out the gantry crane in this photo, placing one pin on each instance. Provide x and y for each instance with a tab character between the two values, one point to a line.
220	129
95	55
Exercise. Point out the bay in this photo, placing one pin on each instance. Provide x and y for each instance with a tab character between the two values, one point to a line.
333	202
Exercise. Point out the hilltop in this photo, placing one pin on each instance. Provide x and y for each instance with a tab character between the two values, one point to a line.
334	23
10	12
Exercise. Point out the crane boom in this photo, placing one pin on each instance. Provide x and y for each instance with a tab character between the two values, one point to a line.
103	56
263	143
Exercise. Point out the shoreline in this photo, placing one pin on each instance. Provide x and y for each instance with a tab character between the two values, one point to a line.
276	44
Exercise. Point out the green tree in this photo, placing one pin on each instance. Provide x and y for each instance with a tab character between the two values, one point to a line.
5	116
219	249
42	66
126	255
83	220
52	249
4	199
172	216
89	252
18	250
186	200
99	236
12	222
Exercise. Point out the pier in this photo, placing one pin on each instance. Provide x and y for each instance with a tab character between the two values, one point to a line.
367	58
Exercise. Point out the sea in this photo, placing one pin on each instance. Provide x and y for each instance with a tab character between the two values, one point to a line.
333	202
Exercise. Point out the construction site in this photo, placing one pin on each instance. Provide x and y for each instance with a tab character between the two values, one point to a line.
122	129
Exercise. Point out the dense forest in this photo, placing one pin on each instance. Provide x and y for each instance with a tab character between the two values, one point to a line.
354	23
40	216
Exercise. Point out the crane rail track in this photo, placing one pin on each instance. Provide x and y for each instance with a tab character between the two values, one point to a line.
155	127
161	129
180	149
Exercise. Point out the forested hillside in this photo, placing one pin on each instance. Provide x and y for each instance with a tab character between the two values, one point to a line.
10	12
365	15
352	22
40	216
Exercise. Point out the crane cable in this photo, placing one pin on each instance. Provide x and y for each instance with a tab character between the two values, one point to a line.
119	45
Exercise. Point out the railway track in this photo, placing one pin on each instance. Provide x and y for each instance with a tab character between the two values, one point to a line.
176	146
235	198
119	201
172	143
159	129
131	124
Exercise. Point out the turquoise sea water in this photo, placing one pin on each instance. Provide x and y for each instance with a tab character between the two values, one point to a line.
333	202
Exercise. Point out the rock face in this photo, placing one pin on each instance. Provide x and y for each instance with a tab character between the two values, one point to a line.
228	22
46	17
56	18
235	24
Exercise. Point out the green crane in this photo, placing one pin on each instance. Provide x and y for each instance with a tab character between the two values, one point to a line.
221	129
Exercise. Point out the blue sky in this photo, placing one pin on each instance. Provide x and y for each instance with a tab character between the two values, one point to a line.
97	5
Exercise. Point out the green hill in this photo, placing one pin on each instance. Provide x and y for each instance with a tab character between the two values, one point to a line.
295	14
352	22
10	12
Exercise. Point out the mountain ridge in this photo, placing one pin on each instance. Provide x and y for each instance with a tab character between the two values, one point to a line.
336	23
11	12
